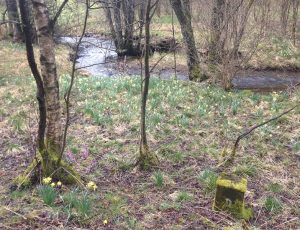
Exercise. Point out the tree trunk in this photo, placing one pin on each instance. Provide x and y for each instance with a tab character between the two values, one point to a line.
217	18
142	9
240	32
120	16
49	74
146	158
46	162
295	19
128	11
182	11
284	16
40	95
14	27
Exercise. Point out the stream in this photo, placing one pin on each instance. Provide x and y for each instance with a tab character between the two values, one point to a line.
97	57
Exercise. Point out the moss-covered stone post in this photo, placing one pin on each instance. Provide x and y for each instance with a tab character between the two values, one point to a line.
230	196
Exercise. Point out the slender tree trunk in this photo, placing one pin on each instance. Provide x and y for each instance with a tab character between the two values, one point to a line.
284	16
295	19
217	18
40	95
142	10
120	16
182	11
14	27
146	158
128	11
240	32
119	42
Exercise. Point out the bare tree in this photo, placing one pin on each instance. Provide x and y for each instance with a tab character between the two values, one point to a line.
228	25
284	15
295	6
14	25
50	124
120	16
216	46
146	157
183	13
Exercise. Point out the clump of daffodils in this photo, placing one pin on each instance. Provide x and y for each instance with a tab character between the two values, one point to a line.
47	180
92	186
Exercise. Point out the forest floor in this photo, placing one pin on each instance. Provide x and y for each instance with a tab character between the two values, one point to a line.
189	126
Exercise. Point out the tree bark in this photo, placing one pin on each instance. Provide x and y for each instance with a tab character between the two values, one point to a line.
182	11
284	16
217	18
14	27
49	147
146	158
49	75
120	16
128	11
40	95
295	20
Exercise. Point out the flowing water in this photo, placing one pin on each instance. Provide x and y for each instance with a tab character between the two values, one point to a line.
97	57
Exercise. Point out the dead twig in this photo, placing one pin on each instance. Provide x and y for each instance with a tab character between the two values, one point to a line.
250	130
18	214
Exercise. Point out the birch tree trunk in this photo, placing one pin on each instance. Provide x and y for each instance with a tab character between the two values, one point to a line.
49	75
47	161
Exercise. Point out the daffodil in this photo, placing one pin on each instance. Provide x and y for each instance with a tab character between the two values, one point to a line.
92	186
47	180
105	222
59	184
52	184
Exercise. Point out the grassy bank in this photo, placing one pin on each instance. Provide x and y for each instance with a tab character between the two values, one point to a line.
189	126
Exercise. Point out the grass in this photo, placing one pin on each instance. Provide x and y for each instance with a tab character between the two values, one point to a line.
188	124
48	194
158	179
273	205
208	179
184	197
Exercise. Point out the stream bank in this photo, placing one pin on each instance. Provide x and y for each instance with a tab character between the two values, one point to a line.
97	57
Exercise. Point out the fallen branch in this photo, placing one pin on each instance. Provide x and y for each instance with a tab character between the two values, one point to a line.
18	214
250	130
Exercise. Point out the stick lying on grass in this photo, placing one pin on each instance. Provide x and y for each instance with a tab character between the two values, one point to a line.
250	130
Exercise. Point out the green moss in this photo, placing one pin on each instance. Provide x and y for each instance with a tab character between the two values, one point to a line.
25	180
49	168
230	196
147	159
227	183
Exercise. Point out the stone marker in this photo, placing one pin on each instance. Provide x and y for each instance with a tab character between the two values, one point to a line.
230	196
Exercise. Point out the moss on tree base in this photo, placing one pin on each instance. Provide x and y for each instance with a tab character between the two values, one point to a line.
230	197
147	159
40	168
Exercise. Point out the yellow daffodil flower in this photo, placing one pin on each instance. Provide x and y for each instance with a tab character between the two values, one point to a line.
92	186
47	180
